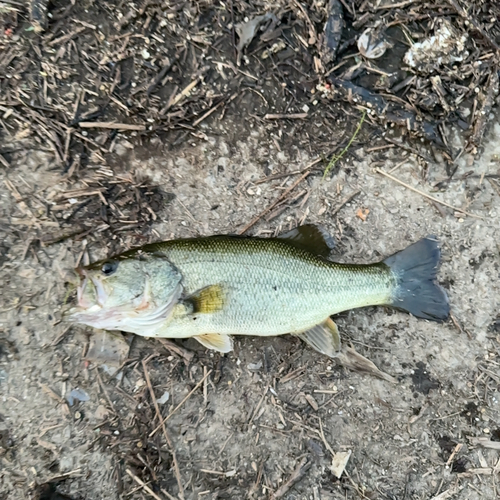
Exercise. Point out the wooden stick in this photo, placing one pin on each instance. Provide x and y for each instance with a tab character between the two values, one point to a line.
312	31
20	200
254	413
458	447
208	113
346	200
168	495
277	176
395	5
297	474
167	437
186	91
323	438
143	484
494	186
290	116
425	195
171	346
112	125
280	199
446	494
153	432
485	442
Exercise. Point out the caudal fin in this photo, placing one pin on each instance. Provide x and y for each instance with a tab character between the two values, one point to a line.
418	292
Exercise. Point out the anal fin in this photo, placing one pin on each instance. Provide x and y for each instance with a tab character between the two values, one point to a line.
324	338
217	341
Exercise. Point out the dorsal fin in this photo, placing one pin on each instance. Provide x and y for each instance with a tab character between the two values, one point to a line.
313	239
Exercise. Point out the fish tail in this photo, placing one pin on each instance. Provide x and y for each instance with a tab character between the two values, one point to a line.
417	291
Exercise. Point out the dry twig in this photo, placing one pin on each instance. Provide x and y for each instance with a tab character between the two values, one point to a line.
112	125
297	474
290	116
344	202
153	432
143	484
306	173
165	434
425	195
180	351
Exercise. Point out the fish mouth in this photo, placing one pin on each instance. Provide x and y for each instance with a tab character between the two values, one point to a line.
101	294
85	280
140	320
90	307
81	300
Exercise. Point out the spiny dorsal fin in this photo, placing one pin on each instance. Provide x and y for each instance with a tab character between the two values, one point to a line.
216	341
324	338
208	300
313	239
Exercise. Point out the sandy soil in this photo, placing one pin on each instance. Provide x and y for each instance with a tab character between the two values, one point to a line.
263	406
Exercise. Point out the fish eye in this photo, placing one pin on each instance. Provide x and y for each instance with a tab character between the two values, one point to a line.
108	268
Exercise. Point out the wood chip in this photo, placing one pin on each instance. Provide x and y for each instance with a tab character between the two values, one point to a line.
362	213
485	442
339	462
312	402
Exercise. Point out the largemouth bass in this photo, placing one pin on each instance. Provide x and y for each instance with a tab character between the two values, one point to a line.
215	287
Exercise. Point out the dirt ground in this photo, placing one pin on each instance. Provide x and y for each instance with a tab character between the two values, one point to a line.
243	422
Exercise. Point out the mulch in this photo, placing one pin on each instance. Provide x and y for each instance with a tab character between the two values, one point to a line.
76	82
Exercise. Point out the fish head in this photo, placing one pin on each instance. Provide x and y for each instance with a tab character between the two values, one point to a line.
133	294
111	284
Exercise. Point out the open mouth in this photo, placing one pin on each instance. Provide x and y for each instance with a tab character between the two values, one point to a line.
82	301
97	310
99	292
91	304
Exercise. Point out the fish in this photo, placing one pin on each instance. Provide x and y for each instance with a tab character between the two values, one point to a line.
216	287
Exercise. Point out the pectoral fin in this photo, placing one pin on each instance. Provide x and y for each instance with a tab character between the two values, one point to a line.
313	239
324	338
216	341
208	300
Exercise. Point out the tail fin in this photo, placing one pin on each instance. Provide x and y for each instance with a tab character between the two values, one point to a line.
417	292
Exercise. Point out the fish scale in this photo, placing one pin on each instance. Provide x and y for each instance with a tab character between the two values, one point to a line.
272	288
213	287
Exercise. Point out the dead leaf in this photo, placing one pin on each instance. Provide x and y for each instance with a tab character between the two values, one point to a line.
362	213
